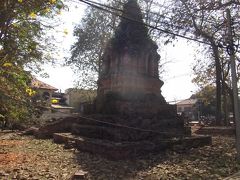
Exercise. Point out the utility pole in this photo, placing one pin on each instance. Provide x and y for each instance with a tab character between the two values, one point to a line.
231	52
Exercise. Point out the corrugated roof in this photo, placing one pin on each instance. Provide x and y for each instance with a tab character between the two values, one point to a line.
41	85
187	102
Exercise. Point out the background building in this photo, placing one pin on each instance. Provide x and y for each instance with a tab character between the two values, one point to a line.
189	107
43	90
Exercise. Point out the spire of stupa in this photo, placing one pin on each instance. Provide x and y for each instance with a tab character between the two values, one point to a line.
131	32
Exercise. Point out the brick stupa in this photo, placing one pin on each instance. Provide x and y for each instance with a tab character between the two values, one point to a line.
129	79
132	117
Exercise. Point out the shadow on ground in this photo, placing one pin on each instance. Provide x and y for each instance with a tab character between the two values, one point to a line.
215	162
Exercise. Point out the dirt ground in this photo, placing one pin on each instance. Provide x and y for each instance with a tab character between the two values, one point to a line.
23	157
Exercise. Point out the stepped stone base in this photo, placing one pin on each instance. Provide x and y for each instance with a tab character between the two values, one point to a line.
118	138
125	150
221	131
165	128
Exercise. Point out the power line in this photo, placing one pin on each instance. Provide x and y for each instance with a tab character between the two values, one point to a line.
120	10
178	76
151	12
104	5
175	101
98	6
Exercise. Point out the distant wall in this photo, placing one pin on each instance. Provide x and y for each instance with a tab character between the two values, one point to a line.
188	109
75	97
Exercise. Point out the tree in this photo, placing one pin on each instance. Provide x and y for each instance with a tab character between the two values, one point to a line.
200	21
207	100
93	34
21	46
204	71
204	20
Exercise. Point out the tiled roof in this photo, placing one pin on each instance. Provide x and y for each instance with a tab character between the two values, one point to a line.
187	102
41	85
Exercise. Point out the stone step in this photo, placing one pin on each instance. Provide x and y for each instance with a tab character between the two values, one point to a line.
217	131
109	149
122	133
125	150
110	130
63	125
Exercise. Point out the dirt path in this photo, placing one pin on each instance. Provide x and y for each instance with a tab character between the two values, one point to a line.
23	157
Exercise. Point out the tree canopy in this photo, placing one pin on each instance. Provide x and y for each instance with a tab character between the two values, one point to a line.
206	20
95	30
22	45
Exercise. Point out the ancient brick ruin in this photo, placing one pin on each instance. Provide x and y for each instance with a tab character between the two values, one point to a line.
131	116
129	80
129	87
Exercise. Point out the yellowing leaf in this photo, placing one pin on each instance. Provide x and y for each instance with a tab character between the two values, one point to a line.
33	15
65	31
15	25
47	10
53	1
59	12
20	1
33	93
7	64
30	92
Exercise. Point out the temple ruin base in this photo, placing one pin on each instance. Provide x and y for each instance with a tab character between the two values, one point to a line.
128	150
133	118
124	139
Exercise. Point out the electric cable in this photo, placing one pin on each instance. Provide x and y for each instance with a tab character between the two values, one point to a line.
147	25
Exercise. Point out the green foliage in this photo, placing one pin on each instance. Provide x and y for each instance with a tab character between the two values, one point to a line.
80	96
21	46
92	34
207	100
206	94
206	22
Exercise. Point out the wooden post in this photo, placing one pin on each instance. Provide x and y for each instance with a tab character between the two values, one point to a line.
234	81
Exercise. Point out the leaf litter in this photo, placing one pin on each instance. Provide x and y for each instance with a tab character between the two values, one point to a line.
23	157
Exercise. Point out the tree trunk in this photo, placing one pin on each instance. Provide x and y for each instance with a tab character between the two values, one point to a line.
218	84
230	92
225	104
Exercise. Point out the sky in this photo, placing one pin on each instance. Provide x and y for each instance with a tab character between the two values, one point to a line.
178	71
